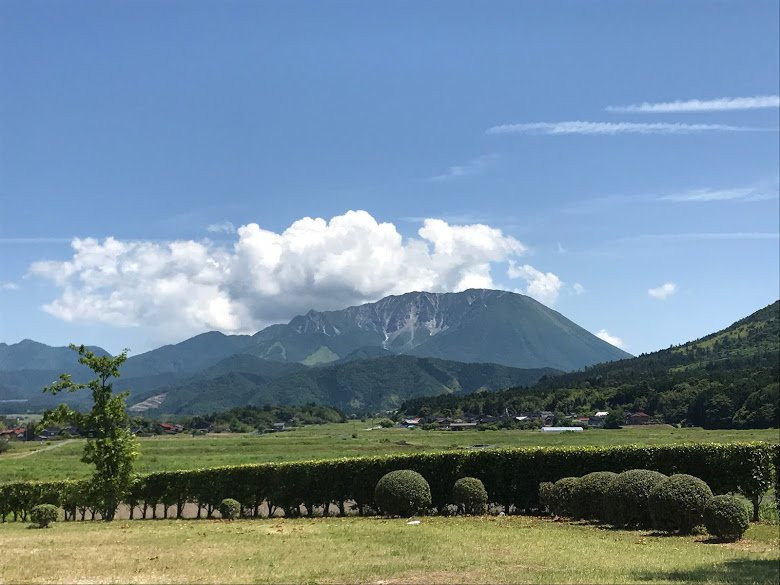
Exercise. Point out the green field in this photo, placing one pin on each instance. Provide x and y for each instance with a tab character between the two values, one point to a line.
488	549
61	460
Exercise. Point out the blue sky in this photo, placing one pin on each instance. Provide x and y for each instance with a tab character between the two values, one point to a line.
149	122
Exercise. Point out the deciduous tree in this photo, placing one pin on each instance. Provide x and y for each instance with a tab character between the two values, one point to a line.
110	447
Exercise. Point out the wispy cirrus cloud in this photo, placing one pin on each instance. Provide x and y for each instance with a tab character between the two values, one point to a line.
737	194
759	191
41	240
700	236
223	227
713	105
472	167
613	128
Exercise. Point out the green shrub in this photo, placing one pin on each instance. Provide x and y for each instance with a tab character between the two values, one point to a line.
511	477
44	514
589	499
229	509
677	503
470	495
4	446
726	517
546	495
563	496
629	497
402	493
386	423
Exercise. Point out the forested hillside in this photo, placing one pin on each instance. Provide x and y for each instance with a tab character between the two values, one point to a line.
365	385
724	380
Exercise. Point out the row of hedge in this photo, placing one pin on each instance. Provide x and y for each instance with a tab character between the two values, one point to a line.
642	498
510	476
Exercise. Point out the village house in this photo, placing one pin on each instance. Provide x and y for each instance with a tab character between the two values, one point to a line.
170	428
637	418
597	420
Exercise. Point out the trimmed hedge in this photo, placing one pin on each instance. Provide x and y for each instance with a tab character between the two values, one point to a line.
229	509
726	517
677	503
470	496
402	493
563	492
629	497
547	496
511	478
589	499
44	514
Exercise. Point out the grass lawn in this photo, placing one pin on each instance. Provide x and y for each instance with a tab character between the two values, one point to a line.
373	550
26	461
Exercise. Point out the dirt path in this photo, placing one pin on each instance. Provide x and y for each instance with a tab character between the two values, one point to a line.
56	445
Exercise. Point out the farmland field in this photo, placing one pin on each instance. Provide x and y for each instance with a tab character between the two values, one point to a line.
61	459
510	549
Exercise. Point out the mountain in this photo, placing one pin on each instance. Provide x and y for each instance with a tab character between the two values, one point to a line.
476	325
31	355
729	379
353	386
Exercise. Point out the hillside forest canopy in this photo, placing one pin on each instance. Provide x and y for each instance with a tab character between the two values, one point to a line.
728	379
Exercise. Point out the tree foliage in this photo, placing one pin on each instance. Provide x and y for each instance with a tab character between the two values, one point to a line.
730	379
110	447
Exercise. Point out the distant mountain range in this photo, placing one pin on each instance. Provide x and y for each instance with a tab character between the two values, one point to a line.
728	379
475	326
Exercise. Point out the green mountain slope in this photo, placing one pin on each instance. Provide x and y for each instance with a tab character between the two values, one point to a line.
476	325
730	378
354	386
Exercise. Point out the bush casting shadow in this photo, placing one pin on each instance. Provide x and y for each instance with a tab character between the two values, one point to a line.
733	571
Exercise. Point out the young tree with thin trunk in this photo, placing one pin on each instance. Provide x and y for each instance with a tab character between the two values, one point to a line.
111	447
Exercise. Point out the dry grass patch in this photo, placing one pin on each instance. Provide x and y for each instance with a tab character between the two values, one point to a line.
371	550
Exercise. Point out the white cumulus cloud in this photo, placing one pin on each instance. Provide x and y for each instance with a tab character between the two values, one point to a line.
612	128
663	292
714	105
543	286
183	287
604	335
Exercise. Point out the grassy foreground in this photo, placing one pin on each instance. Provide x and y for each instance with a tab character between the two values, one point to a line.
373	550
62	460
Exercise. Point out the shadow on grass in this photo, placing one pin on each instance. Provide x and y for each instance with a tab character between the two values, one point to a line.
735	571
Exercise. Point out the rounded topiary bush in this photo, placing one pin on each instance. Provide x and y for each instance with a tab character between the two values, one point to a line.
402	493
229	509
726	517
470	495
546	496
589	499
44	514
677	503
629	497
562	496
